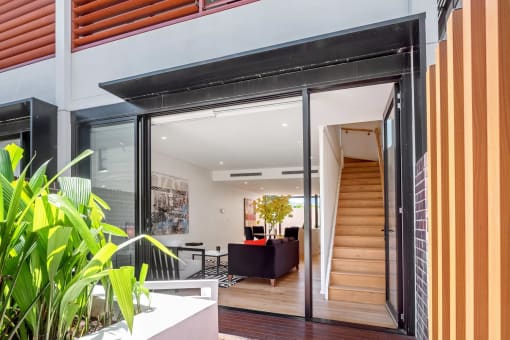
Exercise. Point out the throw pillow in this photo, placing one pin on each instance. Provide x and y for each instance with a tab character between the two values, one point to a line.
261	242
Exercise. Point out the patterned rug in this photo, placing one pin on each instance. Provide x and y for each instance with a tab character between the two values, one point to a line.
221	275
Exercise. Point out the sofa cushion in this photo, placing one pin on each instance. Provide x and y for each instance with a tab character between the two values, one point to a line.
274	242
261	242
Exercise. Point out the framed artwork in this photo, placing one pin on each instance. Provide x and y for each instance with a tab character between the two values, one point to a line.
250	216
169	205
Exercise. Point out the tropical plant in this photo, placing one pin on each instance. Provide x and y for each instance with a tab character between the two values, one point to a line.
273	209
54	248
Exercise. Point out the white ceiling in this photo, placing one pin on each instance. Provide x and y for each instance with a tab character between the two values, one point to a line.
258	140
285	186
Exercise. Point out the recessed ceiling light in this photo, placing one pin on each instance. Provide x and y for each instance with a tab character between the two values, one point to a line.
285	124
103	171
221	163
103	186
245	182
163	138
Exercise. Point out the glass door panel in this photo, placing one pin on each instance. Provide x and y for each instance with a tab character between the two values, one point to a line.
393	222
111	170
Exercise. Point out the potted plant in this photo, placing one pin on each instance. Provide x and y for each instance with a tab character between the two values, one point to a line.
273	209
54	248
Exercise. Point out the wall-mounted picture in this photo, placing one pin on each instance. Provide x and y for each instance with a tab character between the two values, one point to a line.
250	216
170	205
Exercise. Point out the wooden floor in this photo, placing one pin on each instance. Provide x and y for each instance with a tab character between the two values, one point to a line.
288	298
258	326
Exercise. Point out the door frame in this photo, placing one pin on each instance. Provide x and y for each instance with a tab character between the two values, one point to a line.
393	106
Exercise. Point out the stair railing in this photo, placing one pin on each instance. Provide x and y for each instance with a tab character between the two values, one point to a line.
332	232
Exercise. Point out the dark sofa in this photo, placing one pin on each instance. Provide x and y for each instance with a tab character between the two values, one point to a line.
271	261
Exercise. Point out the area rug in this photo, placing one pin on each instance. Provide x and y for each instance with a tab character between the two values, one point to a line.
221	275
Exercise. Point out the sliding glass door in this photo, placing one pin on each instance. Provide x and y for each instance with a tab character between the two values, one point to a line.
111	169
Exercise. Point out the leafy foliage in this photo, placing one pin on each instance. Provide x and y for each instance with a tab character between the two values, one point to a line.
54	248
273	209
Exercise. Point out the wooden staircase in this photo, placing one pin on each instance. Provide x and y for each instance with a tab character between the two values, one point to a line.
358	266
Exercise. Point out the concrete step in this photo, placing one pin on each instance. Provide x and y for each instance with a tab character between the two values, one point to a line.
357	294
358	253
359	241
358	266
360	220
355	211
365	280
360	188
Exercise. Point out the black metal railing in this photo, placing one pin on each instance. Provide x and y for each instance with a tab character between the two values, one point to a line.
444	8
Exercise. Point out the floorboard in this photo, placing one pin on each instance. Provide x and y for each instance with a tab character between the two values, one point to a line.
288	298
259	326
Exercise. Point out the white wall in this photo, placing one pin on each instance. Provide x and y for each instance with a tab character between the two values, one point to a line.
206	223
360	145
34	80
330	160
260	24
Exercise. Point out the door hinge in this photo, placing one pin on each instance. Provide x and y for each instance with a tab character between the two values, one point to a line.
400	210
402	317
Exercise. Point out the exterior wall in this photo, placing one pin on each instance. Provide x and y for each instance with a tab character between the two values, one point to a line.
34	80
256	25
421	232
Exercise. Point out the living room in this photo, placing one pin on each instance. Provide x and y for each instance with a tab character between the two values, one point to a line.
209	166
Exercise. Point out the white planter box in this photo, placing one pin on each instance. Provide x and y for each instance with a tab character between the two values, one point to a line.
170	317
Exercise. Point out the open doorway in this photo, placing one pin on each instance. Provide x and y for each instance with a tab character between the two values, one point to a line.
356	278
209	167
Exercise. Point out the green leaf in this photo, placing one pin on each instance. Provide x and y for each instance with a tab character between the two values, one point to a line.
143	273
122	284
152	240
15	153
43	214
98	261
100	201
57	244
76	189
6	165
113	230
38	179
76	220
79	158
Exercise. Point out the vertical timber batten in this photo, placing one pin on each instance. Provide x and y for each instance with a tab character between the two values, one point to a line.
431	202
456	175
498	133
475	144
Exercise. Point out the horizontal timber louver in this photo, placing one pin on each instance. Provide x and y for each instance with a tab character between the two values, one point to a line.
97	20
27	31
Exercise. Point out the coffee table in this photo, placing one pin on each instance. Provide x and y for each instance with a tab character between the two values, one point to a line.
214	253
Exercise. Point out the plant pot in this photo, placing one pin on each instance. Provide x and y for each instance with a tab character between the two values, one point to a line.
168	317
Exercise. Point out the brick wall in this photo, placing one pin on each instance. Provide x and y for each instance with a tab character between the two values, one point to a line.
421	249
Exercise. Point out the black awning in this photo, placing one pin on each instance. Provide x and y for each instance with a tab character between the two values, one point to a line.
360	43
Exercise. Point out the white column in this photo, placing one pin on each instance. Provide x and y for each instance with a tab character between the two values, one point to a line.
63	79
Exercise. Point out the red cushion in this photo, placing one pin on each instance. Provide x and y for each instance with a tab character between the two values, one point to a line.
261	242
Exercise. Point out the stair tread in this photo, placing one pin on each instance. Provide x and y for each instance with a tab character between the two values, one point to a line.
357	288
358	260
356	273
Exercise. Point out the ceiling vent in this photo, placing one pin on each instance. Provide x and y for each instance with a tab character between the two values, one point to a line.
297	172
246	174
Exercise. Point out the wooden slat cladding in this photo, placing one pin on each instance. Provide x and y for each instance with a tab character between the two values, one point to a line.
27	31
98	20
470	216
